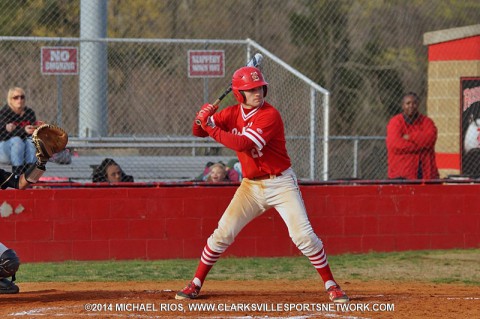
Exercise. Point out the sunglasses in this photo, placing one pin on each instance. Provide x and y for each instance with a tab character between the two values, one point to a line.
16	97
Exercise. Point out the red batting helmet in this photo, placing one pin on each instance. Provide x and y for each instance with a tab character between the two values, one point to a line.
247	78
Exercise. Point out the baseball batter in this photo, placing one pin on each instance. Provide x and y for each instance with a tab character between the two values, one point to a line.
254	129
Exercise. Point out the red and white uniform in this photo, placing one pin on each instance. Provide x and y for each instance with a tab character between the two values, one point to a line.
254	129
257	135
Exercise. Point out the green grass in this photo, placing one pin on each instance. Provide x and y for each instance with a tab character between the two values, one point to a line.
437	266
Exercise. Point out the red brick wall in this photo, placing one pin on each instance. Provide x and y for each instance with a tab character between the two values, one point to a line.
174	222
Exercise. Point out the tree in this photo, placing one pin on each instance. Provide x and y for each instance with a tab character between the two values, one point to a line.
325	43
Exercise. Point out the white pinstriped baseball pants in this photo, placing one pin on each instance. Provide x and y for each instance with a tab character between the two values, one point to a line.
253	198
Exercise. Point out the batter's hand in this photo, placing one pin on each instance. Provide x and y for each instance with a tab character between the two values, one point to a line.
205	121
206	110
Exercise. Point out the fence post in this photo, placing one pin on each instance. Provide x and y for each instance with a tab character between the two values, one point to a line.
93	105
326	123
355	157
313	161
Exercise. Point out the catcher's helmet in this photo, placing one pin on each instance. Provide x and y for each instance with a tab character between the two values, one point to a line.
247	78
9	263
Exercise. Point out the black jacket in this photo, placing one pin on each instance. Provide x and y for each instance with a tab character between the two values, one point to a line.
8	116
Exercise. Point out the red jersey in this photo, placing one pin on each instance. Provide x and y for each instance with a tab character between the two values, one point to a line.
406	158
257	135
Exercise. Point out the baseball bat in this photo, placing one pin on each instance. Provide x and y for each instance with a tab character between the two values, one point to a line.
255	61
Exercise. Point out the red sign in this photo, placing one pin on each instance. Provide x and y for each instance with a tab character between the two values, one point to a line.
59	60
206	63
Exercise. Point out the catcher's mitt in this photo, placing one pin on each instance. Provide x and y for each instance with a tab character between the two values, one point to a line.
49	139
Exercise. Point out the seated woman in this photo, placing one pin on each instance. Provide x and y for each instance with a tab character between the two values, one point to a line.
109	171
17	124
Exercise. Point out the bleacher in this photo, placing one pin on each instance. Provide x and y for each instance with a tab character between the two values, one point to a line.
90	152
142	168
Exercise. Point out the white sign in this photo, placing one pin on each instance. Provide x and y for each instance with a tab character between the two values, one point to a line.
206	63
59	60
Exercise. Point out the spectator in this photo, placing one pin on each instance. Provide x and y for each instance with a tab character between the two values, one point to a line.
17	124
109	171
411	138
232	173
203	176
218	173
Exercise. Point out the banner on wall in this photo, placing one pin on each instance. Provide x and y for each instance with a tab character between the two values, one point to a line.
470	125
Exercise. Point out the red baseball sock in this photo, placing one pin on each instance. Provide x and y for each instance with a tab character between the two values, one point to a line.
208	259
319	261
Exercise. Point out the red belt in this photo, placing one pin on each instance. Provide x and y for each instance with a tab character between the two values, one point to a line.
266	176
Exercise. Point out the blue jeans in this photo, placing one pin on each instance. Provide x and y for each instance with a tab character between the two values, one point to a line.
17	151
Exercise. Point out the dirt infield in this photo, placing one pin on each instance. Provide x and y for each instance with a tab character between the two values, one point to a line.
240	299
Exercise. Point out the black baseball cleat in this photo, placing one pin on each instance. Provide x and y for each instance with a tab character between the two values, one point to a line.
8	287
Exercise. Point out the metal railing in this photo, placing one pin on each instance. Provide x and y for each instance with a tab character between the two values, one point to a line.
196	143
355	148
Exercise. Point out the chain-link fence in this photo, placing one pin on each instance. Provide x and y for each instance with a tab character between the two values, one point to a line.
148	103
130	93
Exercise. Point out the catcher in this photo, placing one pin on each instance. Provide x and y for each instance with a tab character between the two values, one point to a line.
48	139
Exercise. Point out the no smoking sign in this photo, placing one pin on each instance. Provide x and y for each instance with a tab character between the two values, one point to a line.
59	60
